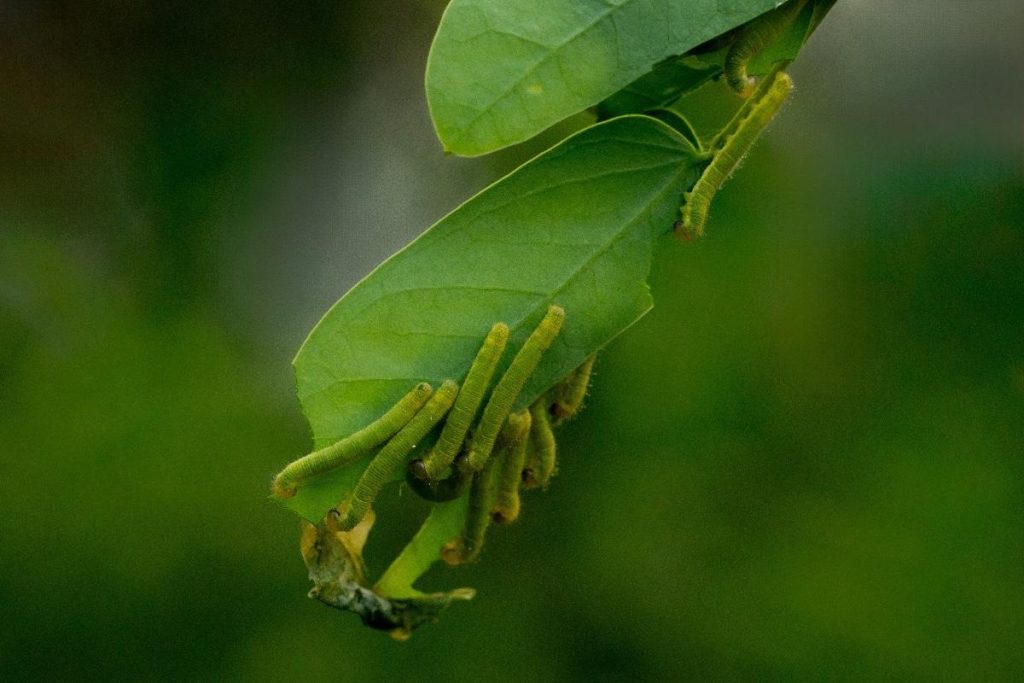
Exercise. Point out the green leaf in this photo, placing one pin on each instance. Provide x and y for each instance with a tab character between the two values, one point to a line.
575	227
501	71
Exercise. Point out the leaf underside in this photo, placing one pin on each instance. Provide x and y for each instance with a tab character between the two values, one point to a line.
574	227
501	71
671	79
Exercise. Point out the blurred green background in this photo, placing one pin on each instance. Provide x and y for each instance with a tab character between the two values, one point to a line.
807	463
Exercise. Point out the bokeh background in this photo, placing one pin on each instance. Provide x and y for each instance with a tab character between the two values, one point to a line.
807	463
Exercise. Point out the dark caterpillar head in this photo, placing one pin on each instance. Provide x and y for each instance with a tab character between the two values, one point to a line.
442	490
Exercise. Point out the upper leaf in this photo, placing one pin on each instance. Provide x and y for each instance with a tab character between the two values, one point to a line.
501	71
573	227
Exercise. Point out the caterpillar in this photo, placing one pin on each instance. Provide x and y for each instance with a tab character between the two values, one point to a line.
754	37
750	122
439	490
351	447
377	474
511	384
516	435
570	393
542	448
